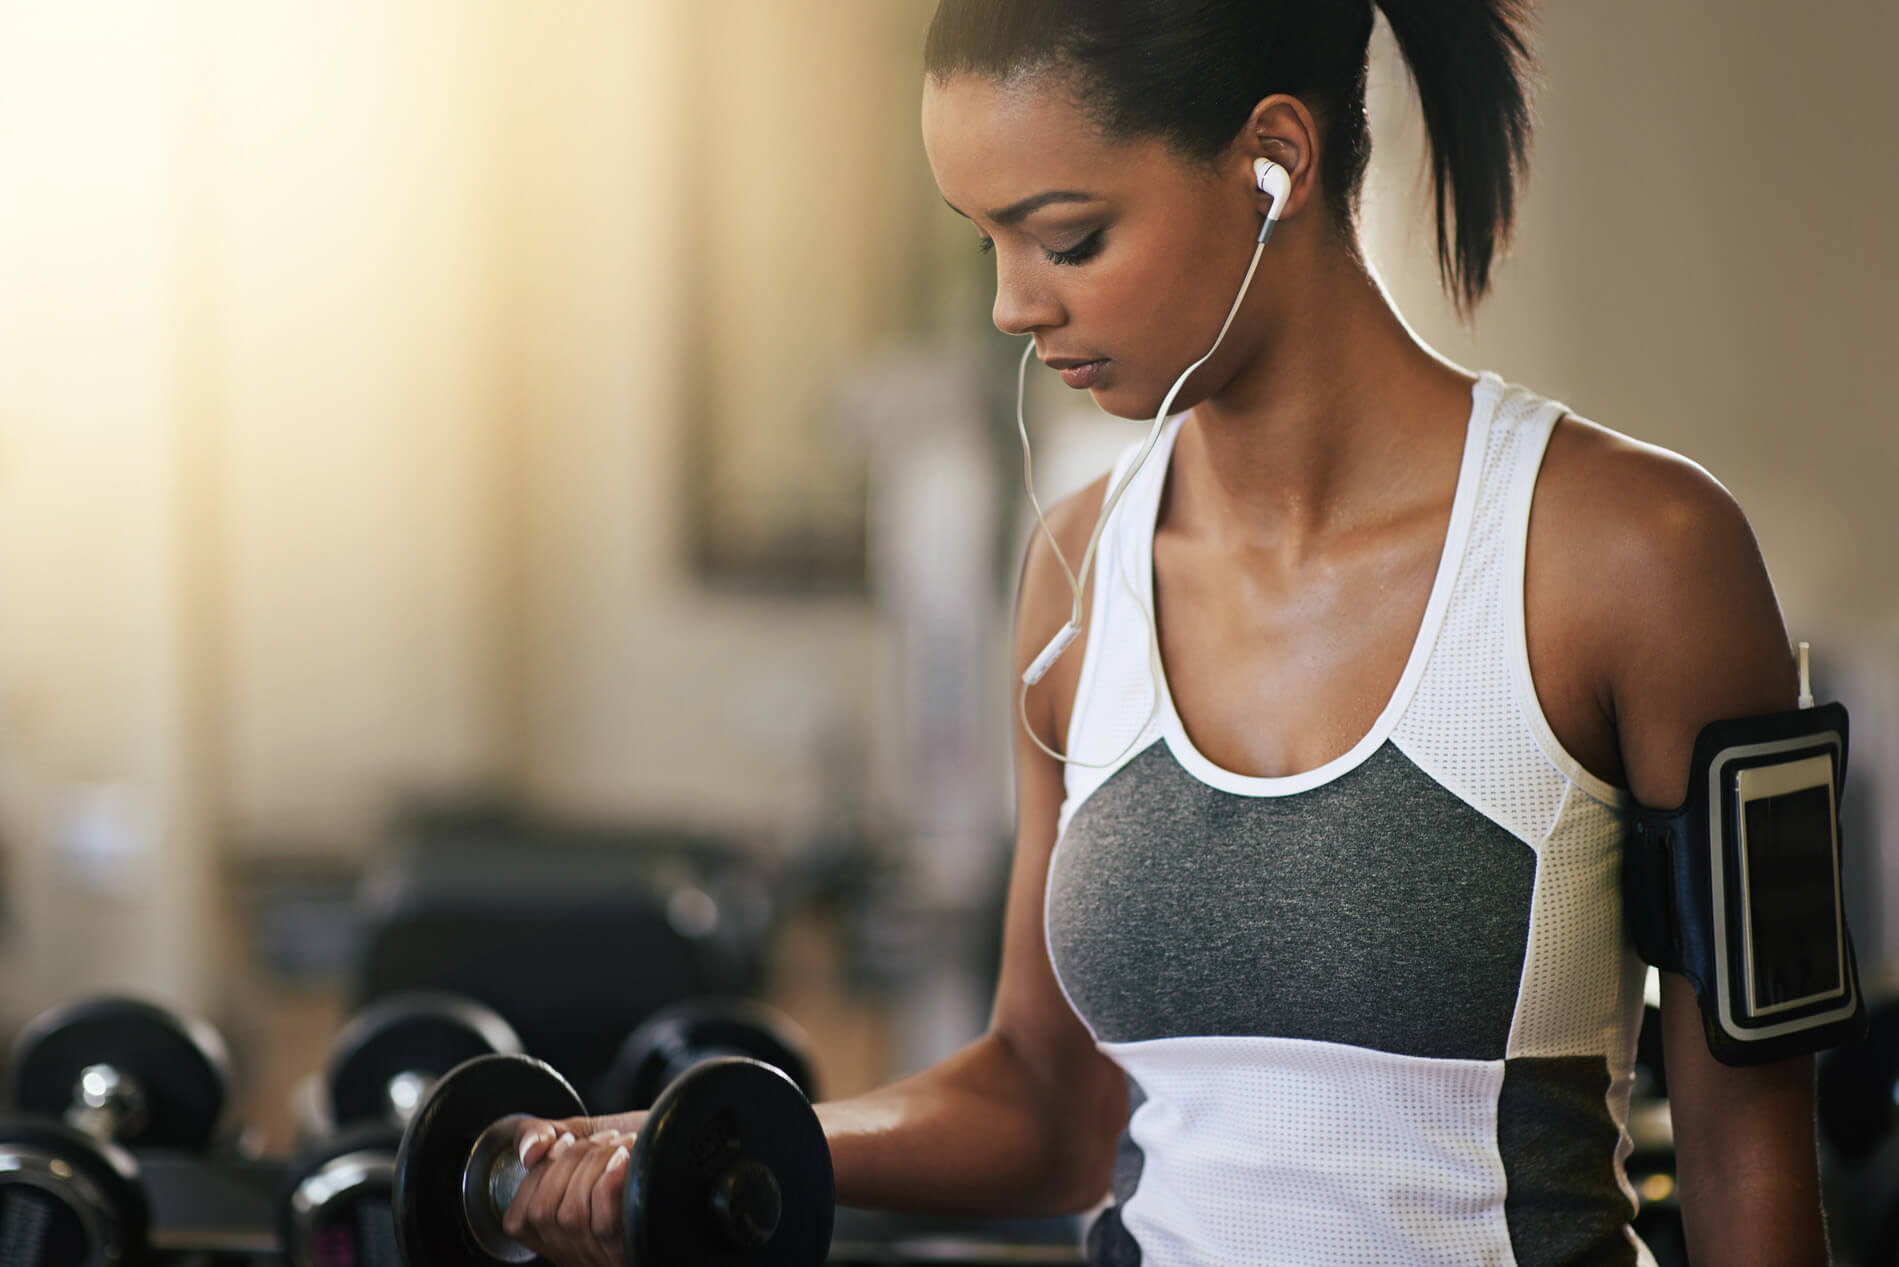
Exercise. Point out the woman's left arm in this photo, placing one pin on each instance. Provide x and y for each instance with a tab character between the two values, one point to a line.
1699	637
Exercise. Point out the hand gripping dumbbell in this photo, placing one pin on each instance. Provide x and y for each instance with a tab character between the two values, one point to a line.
88	1082
729	1169
676	1038
336	1210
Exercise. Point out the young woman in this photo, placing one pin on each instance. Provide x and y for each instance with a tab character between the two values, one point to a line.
1329	965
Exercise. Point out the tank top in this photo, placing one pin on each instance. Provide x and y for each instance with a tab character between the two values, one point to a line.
1382	1011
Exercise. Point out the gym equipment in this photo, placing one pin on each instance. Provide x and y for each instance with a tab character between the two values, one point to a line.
388	1056
1857	1096
676	1038
88	1082
622	921
730	1168
1857	1087
1872	1208
123	1070
336	1208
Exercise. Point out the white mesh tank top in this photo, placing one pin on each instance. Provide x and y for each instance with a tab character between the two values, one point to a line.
1379	1012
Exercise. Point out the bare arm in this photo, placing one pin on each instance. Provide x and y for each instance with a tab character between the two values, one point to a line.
1024	1119
1697	636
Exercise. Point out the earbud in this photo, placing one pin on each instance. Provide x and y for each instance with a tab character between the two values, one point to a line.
1273	181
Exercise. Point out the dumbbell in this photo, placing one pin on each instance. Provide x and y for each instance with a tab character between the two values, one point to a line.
674	1039
336	1208
1857	1093
88	1082
729	1169
1857	1087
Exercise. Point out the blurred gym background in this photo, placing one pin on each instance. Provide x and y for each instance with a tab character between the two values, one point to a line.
541	452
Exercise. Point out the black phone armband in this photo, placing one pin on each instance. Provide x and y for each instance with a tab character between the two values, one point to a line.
1738	889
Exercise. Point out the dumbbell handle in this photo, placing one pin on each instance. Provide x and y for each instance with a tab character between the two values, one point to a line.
746	1202
106	1104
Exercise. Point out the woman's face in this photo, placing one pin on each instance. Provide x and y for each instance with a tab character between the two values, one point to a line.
1119	258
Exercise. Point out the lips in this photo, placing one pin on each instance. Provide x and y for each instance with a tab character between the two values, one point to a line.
1078	373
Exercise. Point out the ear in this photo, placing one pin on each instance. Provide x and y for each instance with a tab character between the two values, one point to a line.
1282	129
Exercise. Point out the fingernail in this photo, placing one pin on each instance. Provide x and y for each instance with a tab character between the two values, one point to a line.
603	1137
561	1145
529	1144
617	1162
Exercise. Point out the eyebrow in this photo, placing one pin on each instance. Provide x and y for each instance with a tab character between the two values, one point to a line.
1016	212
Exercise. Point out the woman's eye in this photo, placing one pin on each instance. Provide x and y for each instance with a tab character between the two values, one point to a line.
985	245
1080	253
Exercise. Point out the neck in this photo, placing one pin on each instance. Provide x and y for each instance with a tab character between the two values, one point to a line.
1336	419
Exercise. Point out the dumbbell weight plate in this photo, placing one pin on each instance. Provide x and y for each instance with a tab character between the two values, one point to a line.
67	1200
337	1208
1872	1210
674	1037
720	1122
431	1222
422	1032
1858	1085
180	1065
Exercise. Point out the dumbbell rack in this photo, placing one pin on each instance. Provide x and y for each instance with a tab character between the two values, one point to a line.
228	1207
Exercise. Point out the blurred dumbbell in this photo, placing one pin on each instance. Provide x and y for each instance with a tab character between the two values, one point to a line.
1858	1100
676	1038
386	1056
730	1167
1857	1087
88	1082
336	1209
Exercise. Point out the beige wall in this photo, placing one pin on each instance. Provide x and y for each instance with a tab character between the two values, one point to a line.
342	375
1706	261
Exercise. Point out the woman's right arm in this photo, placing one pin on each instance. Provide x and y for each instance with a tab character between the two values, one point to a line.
1022	1121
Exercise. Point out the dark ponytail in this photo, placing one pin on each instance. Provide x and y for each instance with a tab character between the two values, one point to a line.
1190	72
1470	60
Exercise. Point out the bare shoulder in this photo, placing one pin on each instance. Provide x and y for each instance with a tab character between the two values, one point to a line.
1646	577
1645	509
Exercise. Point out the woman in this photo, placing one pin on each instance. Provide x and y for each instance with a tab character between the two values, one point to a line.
1330	964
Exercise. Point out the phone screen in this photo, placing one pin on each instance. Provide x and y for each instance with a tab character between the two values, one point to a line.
1793	910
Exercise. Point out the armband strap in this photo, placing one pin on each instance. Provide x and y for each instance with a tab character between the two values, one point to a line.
1738	888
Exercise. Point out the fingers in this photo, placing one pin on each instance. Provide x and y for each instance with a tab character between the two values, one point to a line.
534	1138
568	1208
604	1201
576	1215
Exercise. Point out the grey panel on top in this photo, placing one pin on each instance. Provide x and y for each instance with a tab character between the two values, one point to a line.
1109	1243
1377	909
1557	1140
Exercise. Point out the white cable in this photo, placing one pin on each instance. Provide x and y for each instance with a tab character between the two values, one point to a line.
1066	635
1806	683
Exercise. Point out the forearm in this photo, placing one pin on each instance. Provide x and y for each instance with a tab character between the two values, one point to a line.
1745	1158
974	1134
1743	1211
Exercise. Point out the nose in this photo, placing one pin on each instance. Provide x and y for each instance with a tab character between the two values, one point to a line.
1023	302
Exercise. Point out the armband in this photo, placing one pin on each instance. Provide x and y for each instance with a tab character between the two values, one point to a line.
1738	889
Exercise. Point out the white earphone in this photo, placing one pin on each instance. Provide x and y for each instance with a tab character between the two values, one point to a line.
1272	179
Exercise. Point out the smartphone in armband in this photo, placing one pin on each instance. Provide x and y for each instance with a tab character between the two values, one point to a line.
1739	889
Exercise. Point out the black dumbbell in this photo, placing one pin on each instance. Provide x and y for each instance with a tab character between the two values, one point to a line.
336	1207
1857	1089
1872	1208
88	1082
676	1038
730	1168
390	1054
